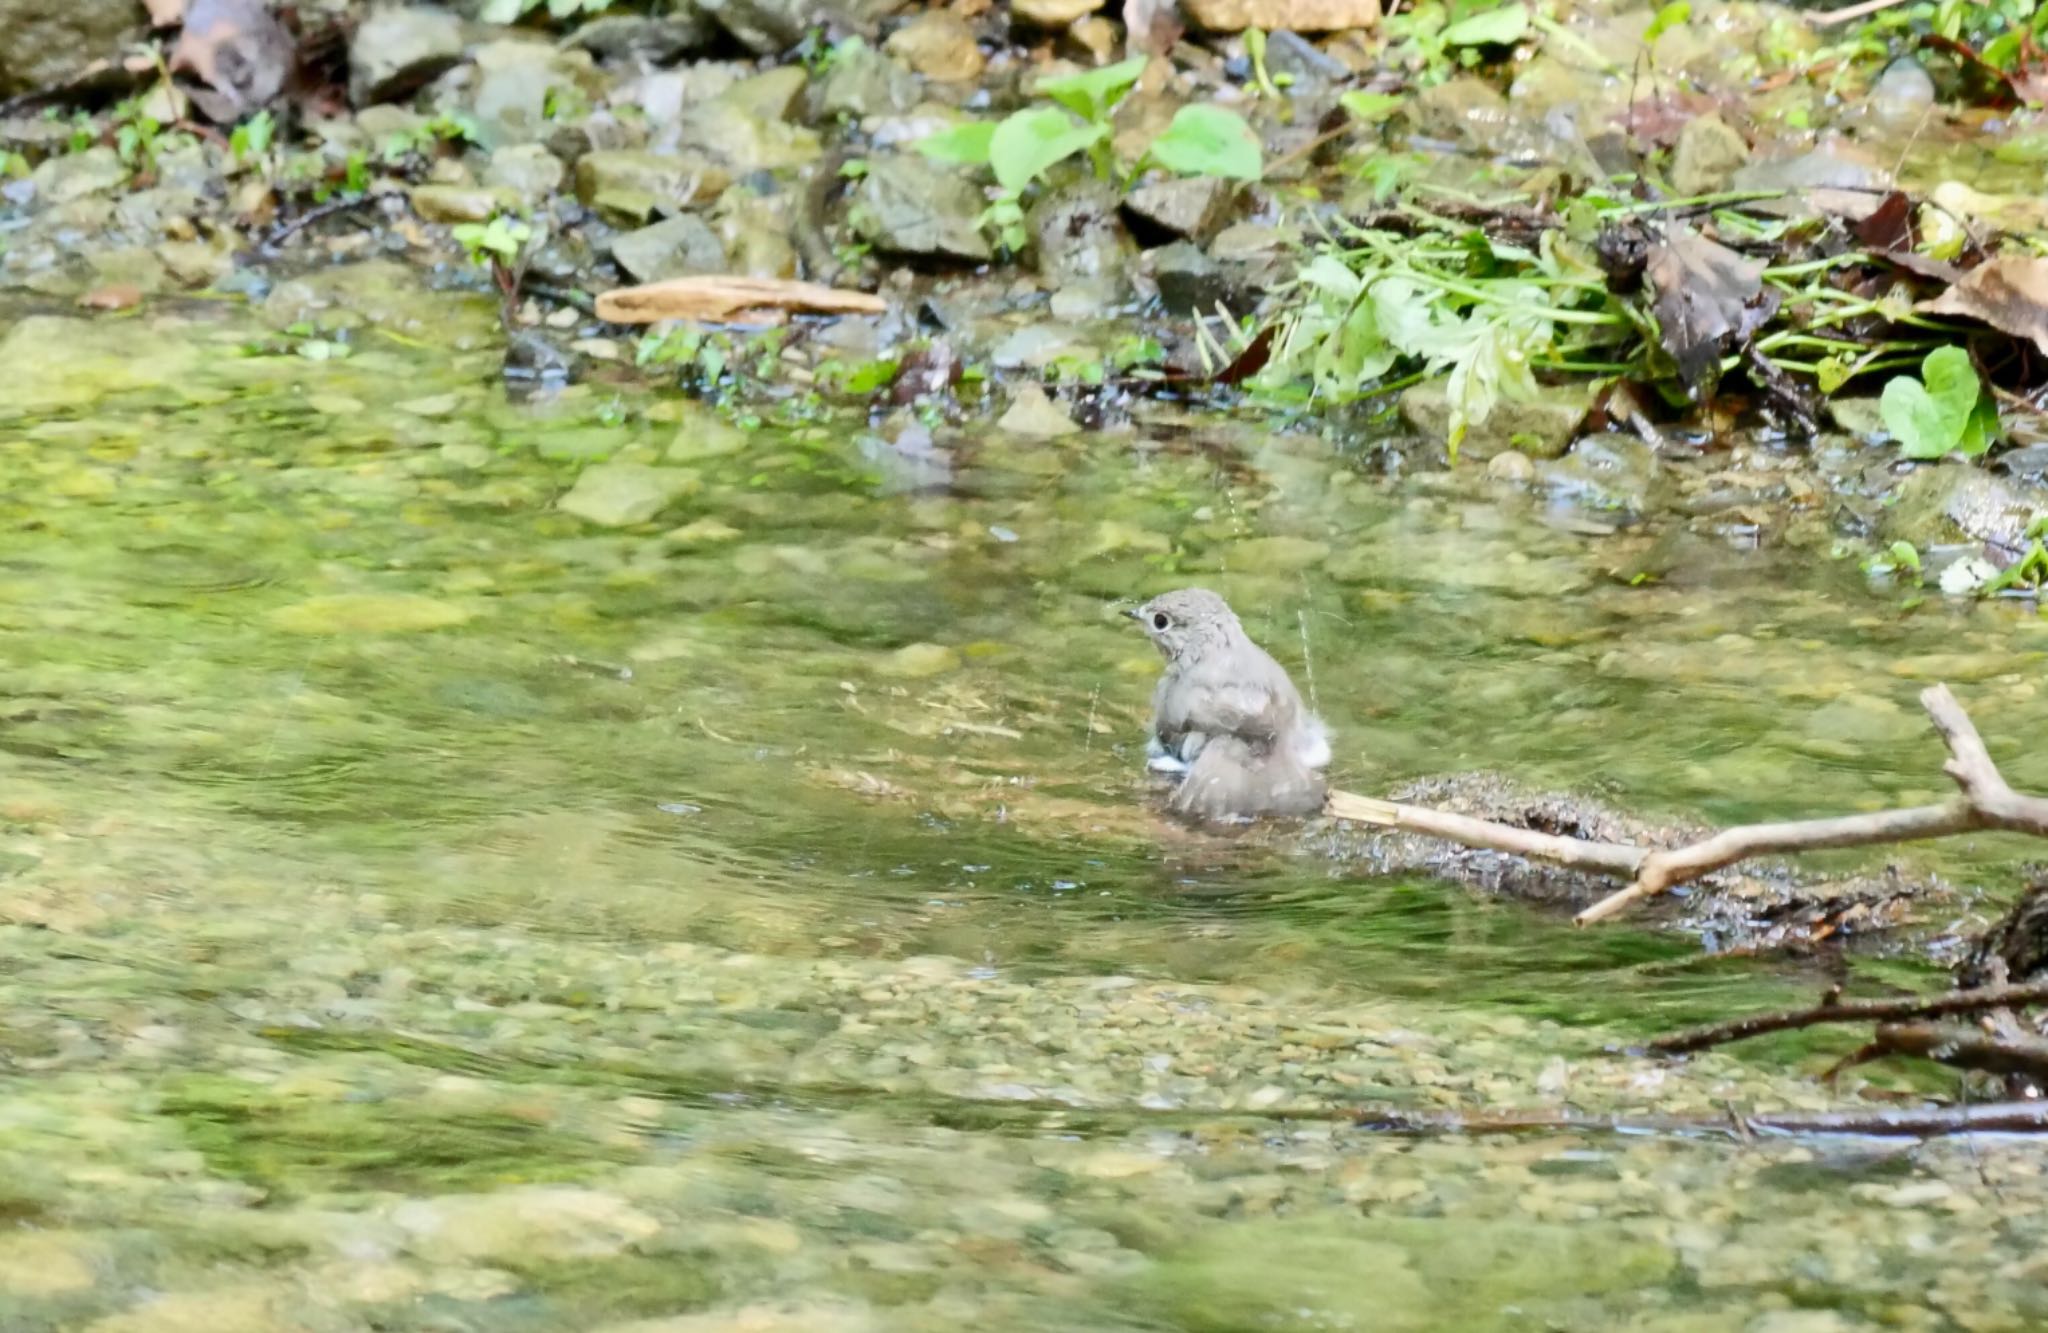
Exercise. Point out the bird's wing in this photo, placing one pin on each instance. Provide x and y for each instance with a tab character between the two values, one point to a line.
1252	709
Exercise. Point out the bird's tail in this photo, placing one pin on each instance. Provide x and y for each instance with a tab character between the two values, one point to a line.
1231	779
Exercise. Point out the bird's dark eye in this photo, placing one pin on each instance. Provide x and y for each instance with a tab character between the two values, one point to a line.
1159	620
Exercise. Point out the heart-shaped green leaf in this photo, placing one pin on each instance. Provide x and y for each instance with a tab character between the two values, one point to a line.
967	142
1209	141
1030	143
1939	413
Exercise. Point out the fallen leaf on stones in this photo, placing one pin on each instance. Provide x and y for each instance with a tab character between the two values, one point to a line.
113	296
731	299
2010	293
239	50
1708	300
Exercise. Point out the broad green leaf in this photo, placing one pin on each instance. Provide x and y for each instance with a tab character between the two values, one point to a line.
1030	143
1905	556
1090	95
1938	414
1372	108
1495	27
968	142
1669	17
1209	141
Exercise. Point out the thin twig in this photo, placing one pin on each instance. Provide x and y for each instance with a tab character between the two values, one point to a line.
1985	802
1966	1048
1851	1011
1850	13
2029	1117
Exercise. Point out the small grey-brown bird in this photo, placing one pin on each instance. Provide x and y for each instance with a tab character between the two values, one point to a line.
1226	717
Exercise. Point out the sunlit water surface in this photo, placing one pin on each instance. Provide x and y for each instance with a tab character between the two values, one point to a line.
428	910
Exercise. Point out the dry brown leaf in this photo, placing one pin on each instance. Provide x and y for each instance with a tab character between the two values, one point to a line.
2010	293
239	50
1709	300
731	299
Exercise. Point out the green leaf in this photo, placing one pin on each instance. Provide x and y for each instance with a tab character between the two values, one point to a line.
1209	141
1030	143
1091	95
501	11
1905	556
1669	17
967	142
1495	27
1371	108
1939	413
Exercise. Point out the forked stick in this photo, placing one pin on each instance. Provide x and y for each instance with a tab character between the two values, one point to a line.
1983	801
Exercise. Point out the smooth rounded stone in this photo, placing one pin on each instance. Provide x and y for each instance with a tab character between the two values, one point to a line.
1035	416
514	79
1053	13
702	433
522	1225
1188	280
906	205
397	50
744	138
616	495
918	661
57	363
46	43
863	82
1190	207
459	203
633	184
1904	92
1943	503
528	170
768	27
675	248
754	229
1078	237
1466	111
69	177
646	38
702	532
1707	155
940	45
1277	15
1543	427
369	613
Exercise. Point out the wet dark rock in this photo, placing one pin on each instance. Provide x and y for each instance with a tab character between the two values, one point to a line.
1255	255
459	203
863	82
1179	207
771	27
2028	464
514	79
60	180
1465	111
45	43
528	170
532	356
1829	180
1310	68
1078	237
676	248
1943	503
630	184
646	38
940	45
395	52
1188	280
1707	155
1606	472
906	205
1542	428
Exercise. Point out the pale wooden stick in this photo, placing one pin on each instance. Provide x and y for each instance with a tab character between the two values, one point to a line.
1850	13
1984	802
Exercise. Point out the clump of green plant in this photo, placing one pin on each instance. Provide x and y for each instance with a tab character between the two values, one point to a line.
1023	147
250	141
498	241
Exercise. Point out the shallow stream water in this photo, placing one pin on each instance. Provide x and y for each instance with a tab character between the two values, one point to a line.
427	910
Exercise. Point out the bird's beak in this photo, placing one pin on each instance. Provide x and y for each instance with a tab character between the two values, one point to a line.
1134	612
